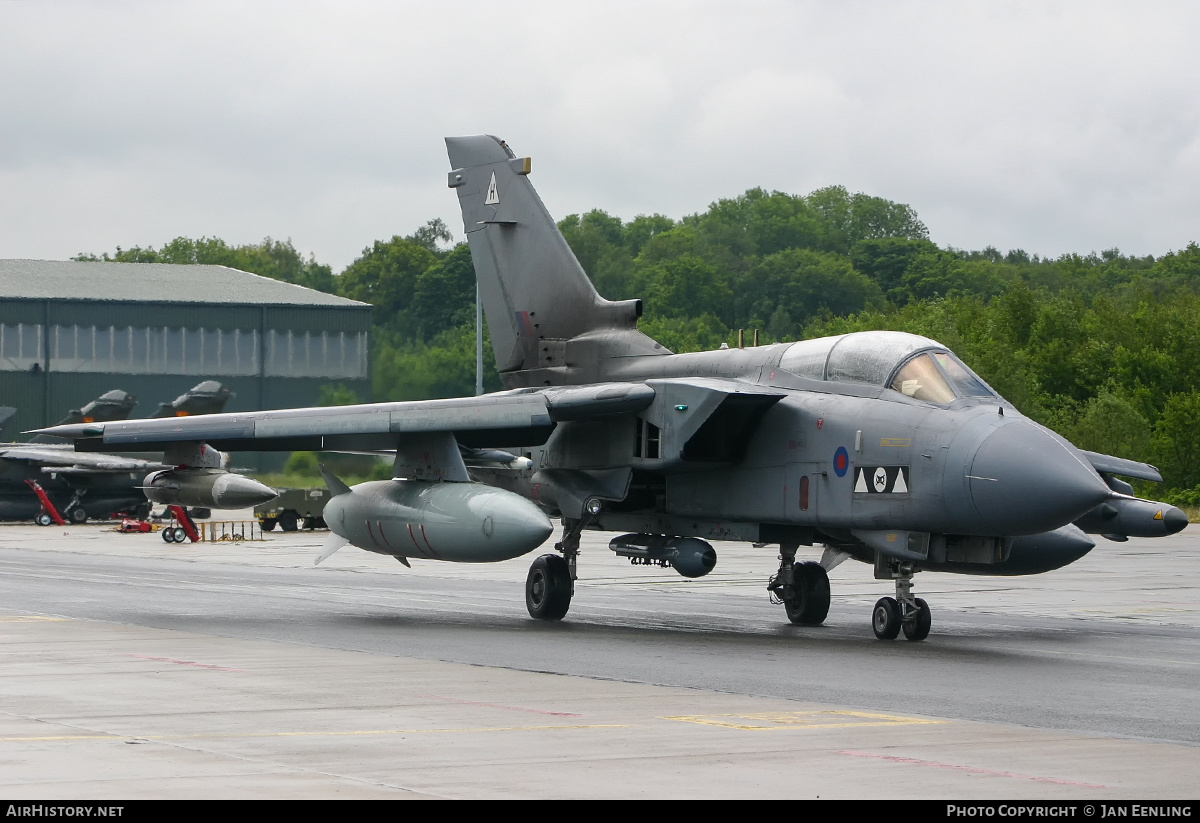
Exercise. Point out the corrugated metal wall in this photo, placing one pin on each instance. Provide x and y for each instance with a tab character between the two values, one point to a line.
44	397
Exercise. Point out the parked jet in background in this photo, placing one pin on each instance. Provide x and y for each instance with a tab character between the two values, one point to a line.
89	486
209	397
883	447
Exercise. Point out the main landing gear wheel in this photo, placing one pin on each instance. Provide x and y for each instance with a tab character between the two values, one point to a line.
885	620
903	611
916	623
78	515
808	603
548	588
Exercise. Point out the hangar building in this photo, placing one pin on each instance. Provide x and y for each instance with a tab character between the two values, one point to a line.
70	331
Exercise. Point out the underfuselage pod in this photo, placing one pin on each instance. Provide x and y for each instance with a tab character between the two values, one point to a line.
456	522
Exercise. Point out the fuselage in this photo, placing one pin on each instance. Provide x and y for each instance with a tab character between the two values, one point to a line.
870	441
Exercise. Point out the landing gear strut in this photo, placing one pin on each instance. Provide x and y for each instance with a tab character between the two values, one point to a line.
551	580
902	612
802	588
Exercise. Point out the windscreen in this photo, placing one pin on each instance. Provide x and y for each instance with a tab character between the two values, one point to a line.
939	377
921	379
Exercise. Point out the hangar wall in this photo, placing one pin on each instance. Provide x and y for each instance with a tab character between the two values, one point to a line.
156	330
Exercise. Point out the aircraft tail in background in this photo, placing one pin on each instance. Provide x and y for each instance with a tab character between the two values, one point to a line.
208	397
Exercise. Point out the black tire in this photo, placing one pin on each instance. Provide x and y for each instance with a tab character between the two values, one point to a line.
168	535
548	588
809	605
268	525
288	521
885	619
78	515
43	519
179	534
916	627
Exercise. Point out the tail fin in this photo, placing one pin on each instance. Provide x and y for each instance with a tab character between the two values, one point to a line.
536	295
208	397
109	407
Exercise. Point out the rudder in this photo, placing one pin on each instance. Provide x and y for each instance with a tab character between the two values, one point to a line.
535	294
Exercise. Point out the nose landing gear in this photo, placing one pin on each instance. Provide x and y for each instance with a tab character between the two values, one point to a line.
902	612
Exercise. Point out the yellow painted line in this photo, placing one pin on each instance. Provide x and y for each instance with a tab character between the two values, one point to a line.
29	618
52	738
803	720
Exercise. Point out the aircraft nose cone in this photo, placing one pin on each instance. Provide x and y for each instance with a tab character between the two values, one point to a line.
233	491
1024	481
1174	520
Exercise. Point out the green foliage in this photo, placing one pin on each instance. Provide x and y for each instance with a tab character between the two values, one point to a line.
303	464
792	286
685	334
686	286
337	395
1177	440
386	277
444	367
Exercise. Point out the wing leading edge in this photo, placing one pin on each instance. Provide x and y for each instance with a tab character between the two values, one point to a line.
522	415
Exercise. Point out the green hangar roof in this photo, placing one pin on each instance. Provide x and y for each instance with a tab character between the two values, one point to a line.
154	283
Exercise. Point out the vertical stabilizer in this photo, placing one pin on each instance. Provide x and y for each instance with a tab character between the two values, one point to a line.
536	295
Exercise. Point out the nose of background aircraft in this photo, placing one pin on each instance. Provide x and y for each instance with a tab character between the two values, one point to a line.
1023	480
233	491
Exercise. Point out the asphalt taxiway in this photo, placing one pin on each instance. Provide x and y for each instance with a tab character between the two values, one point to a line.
134	668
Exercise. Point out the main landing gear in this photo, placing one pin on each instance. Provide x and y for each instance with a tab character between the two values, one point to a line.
802	588
551	580
902	612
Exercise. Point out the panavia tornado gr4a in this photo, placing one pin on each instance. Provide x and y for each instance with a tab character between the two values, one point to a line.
881	447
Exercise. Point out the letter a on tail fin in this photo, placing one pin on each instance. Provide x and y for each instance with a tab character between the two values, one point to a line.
536	295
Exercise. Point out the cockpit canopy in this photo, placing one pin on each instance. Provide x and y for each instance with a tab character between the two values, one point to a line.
912	365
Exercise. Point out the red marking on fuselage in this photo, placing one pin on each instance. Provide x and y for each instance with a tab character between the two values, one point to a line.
416	545
425	537
371	532
379	523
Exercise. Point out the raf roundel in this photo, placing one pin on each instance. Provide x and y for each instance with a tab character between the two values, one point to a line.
841	461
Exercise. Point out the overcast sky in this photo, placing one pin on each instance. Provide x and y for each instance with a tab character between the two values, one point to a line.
1052	127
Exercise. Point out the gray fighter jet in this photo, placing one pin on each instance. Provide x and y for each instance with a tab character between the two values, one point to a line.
83	486
882	447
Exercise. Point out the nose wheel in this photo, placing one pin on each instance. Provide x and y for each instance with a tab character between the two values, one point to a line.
903	612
